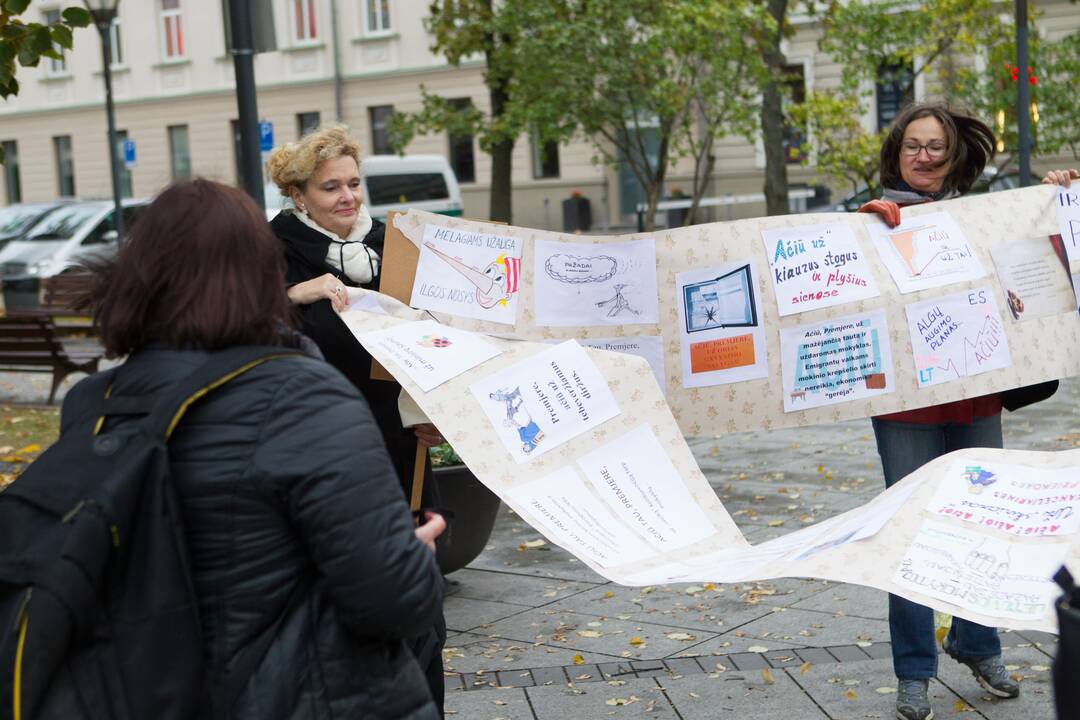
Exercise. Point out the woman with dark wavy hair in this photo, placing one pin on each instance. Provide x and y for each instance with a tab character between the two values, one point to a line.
291	507
935	153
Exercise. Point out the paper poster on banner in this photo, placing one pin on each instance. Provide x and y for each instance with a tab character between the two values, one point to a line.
817	266
981	573
836	361
587	284
1068	213
635	477
928	251
545	400
561	506
957	336
721	330
648	347
1034	282
468	274
1010	498
431	353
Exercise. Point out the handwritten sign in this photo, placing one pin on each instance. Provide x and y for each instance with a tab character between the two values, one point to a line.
925	252
467	273
721	330
981	573
545	400
431	353
1011	499
816	266
957	336
636	479
588	284
841	360
1033	279
1068	212
561	506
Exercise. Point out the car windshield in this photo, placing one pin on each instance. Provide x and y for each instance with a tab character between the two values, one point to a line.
15	220
63	223
404	189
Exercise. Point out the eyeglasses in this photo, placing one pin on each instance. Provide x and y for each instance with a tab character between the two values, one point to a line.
934	148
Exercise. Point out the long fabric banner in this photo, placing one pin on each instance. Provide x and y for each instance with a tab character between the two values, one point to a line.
781	321
582	445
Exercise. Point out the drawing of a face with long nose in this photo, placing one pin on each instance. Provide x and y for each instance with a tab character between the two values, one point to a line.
495	284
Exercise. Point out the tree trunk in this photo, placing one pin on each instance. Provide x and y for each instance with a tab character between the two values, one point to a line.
502	154
502	150
772	118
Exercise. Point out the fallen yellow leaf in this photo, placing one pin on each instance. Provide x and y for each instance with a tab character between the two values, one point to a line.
804	668
579	660
961	706
608	595
766	675
776	523
851	695
636	641
589	633
32	448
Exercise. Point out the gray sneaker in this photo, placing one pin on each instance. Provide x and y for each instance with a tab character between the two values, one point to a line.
989	671
912	701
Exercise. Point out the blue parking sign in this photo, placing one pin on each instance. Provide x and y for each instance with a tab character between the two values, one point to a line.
266	135
129	154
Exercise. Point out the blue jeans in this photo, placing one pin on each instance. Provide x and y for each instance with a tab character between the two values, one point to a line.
904	448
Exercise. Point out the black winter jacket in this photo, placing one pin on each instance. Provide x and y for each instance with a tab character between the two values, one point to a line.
283	479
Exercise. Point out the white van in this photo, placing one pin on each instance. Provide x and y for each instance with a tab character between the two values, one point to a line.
396	182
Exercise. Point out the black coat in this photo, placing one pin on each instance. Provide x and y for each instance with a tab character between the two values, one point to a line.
305	259
282	480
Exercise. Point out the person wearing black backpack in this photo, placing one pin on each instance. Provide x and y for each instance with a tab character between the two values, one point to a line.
308	571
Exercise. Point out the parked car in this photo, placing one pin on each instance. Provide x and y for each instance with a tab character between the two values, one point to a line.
395	182
17	220
401	182
71	233
991	180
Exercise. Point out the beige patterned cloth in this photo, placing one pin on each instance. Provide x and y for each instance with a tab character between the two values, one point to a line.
1044	348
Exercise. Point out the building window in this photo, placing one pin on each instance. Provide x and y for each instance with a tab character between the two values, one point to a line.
303	21
65	165
378	16
895	90
380	132
462	158
794	94
179	152
116	48
172	29
545	159
54	67
125	171
11	171
306	123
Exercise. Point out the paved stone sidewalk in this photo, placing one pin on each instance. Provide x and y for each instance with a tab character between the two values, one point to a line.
534	634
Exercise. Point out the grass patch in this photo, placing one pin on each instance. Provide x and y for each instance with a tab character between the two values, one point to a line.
25	432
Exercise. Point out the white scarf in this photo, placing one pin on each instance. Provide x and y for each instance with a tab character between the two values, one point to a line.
351	256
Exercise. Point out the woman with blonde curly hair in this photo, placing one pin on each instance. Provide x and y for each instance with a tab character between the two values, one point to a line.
331	243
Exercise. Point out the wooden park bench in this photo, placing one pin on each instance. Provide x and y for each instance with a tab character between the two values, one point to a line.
31	343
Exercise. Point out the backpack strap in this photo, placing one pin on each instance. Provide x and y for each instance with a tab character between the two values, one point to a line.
219	368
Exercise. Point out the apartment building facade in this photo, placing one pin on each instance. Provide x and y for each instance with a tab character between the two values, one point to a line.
363	59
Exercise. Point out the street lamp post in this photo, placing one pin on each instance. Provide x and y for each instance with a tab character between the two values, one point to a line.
1023	93
104	12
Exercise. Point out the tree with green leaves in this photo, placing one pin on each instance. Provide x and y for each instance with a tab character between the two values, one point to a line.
647	81
25	43
937	40
463	29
